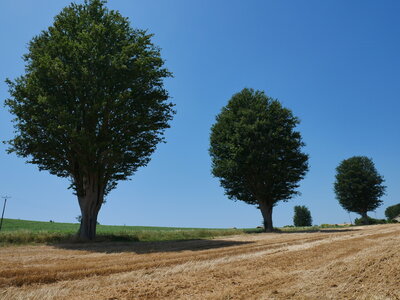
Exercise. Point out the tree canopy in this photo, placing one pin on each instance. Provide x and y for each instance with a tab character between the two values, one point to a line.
392	212
302	216
358	185
91	105
256	151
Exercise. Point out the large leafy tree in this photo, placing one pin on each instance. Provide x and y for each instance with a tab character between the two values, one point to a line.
91	105
358	185
256	151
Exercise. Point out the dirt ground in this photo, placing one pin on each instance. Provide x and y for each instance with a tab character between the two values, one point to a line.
353	263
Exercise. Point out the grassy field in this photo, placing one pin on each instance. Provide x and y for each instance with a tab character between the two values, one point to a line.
22	232
13	225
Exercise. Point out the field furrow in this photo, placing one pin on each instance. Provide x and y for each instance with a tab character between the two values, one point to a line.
353	263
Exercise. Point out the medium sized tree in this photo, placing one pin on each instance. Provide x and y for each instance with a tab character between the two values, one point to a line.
359	186
302	216
256	151
392	212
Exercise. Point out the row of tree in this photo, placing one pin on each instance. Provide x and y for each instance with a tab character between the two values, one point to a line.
257	154
302	217
92	107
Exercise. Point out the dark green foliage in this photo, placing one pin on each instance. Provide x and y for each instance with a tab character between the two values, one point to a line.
332	226
358	185
371	221
91	105
92	95
392	212
302	216
256	151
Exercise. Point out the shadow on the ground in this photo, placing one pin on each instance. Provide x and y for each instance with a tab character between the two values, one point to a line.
330	230
150	247
333	230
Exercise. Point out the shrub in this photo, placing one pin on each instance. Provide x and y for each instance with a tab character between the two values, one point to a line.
302	216
371	221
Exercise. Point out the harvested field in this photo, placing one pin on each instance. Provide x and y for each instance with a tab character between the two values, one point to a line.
352	263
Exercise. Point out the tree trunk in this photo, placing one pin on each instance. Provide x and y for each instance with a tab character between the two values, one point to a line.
364	216
90	203
266	211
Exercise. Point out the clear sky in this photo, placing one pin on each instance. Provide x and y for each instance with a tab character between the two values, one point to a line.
335	63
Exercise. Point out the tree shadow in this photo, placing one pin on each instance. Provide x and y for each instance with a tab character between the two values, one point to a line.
150	247
319	231
331	230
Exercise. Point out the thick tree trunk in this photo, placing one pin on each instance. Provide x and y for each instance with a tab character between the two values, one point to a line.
364	216
90	203
266	211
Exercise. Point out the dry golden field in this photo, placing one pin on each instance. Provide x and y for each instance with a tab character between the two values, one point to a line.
353	263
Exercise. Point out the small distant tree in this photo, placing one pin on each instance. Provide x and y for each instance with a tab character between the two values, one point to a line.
392	212
256	151
359	186
302	216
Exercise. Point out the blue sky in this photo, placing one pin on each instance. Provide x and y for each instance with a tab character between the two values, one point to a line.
336	64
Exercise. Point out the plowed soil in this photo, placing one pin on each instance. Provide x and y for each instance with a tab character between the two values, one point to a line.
353	263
